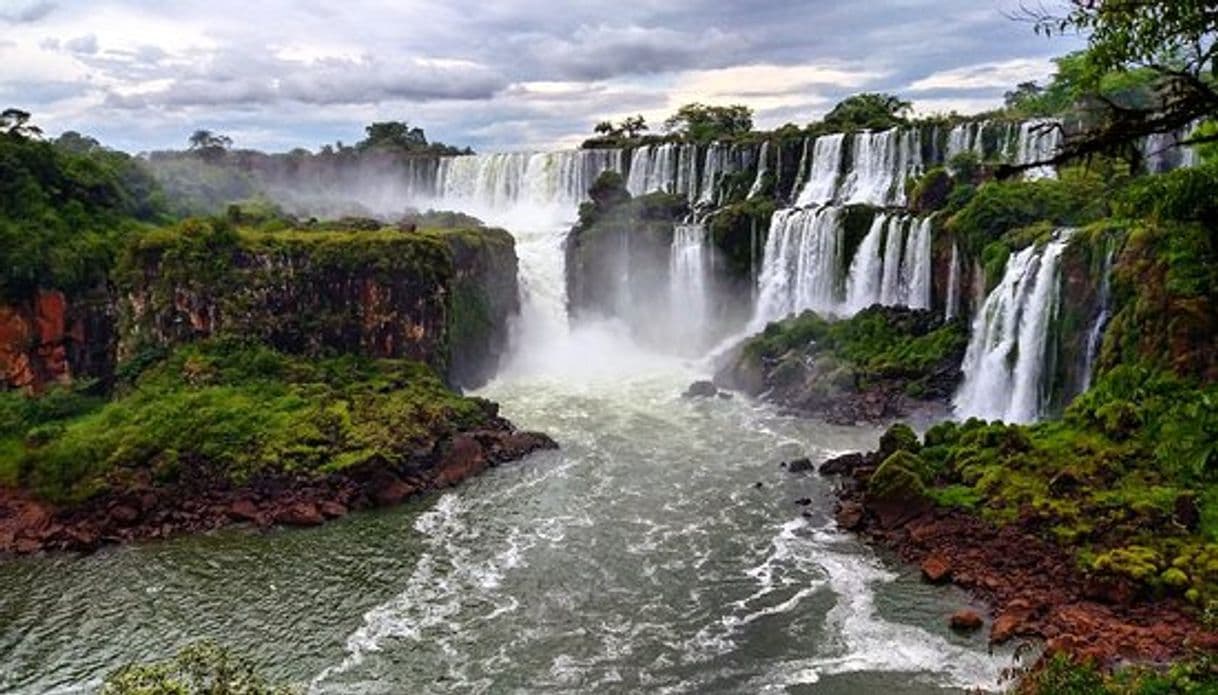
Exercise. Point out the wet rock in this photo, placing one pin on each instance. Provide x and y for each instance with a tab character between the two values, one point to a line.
758	485
725	396
936	568
843	465
804	501
701	389
300	514
966	620
245	510
393	492
850	516
1006	626
332	509
800	465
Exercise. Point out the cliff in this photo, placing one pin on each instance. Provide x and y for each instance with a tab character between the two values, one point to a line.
443	297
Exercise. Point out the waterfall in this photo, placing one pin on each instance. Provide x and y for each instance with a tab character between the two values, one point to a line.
897	275
797	186
821	185
953	285
1005	361
763	168
1096	334
498	181
712	171
866	270
881	163
1039	140
688	279
800	266
966	137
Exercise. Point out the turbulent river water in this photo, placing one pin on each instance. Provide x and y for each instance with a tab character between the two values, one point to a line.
661	550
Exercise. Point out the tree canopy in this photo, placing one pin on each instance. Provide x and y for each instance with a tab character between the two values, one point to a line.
1149	68
17	123
870	110
402	137
701	123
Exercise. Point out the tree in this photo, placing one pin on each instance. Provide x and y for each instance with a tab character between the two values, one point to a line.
702	123
633	126
207	140
870	110
393	134
16	123
1169	44
629	128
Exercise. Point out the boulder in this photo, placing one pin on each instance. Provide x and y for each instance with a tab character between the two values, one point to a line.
850	516
245	510
843	465
300	514
799	465
966	620
936	568
392	492
124	515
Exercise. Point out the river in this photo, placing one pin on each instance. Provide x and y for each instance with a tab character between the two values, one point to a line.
660	550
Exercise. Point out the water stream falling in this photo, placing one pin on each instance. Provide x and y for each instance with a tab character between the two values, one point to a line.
1006	355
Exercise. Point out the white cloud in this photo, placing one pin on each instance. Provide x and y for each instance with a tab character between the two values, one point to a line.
986	75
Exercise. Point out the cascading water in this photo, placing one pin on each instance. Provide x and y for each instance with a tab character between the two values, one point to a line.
1095	335
689	291
763	168
953	285
821	186
799	270
1039	141
880	165
1005	362
892	265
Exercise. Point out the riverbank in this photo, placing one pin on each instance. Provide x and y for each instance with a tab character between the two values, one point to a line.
225	432
1035	588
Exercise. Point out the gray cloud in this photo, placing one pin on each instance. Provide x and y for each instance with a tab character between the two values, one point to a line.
499	75
594	53
85	45
21	11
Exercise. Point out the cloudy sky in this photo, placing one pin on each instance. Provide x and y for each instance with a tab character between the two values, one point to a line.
497	75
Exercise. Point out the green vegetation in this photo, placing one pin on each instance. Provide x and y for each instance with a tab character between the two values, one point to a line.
401	137
65	210
229	411
701	123
200	669
868	111
1129	478
1061	675
876	345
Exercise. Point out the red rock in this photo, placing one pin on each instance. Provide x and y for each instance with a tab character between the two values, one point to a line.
966	621
393	493
245	510
936	568
300	514
850	516
463	458
1003	628
332	509
25	546
124	515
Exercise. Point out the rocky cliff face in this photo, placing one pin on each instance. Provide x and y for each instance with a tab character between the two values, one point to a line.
55	339
444	298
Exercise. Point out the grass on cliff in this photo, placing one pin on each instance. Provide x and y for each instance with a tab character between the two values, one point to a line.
229	411
1128	478
877	343
1061	675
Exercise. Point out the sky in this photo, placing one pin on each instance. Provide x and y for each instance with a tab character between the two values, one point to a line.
496	75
